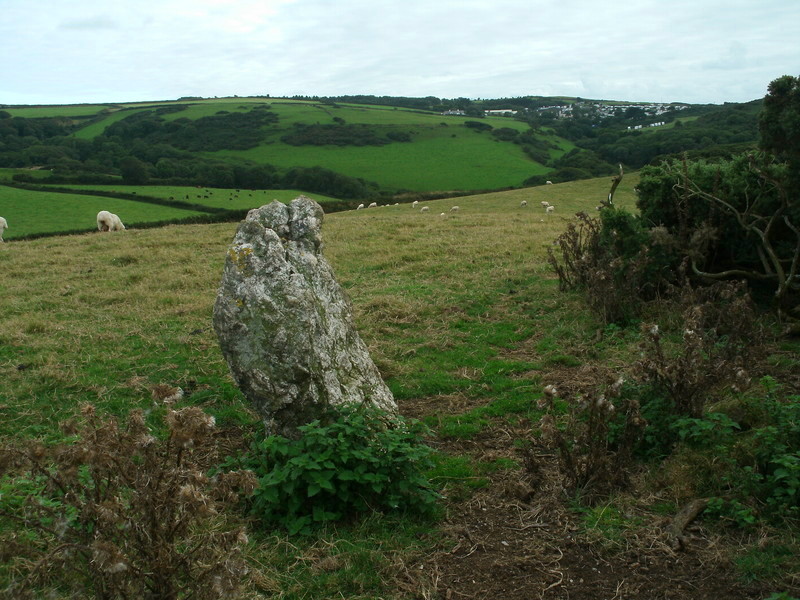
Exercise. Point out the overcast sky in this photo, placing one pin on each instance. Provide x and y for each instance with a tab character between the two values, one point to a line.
697	51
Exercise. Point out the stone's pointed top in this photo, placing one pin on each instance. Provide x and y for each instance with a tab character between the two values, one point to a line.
300	221
284	324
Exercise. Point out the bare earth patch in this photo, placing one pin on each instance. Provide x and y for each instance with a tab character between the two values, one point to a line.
519	538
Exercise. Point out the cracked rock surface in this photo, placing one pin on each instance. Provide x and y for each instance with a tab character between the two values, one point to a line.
284	324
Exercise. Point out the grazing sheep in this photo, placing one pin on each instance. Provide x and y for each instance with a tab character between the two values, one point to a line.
3	227
523	204
414	203
545	204
424	209
359	207
550	209
107	221
373	205
455	209
549	182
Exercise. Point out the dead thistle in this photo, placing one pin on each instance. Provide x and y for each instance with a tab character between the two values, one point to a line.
135	516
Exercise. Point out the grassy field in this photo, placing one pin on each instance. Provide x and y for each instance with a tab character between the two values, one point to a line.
211	197
442	155
432	162
462	315
35	212
29	212
6	174
399	265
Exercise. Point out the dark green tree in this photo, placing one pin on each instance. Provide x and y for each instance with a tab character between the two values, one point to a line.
133	170
779	123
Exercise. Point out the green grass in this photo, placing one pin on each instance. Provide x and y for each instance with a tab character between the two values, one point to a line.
450	307
99	318
7	174
443	154
92	130
66	110
439	158
229	199
29	212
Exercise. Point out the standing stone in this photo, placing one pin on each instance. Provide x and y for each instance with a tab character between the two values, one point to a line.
284	324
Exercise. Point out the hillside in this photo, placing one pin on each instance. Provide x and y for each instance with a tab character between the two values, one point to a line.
463	317
223	141
349	148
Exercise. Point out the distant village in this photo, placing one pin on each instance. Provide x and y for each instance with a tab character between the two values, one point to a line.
600	109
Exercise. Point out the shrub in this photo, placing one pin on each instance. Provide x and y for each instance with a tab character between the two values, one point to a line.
752	469
595	439
124	514
358	459
614	260
731	219
720	340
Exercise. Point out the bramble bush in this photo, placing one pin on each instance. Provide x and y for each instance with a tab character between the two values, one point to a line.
615	261
119	513
359	459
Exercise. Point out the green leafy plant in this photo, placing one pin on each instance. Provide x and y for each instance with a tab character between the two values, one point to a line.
358	460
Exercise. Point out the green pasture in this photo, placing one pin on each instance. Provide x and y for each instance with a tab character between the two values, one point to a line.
7	174
229	199
72	110
29	212
439	158
92	130
441	301
460	311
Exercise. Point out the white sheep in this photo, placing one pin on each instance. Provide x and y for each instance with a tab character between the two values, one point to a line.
549	182
359	207
455	209
373	205
107	221
523	204
424	209
550	209
545	203
414	204
3	227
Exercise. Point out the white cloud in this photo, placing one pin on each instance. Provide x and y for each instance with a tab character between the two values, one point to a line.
685	50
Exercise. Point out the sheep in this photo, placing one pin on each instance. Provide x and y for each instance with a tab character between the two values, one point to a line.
414	204
107	221
360	206
424	209
549	182
373	205
3	227
545	203
550	209
455	209
523	204
441	214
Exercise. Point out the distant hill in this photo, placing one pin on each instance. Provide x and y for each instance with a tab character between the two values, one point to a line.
358	146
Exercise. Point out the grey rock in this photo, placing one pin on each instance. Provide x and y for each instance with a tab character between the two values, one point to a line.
284	324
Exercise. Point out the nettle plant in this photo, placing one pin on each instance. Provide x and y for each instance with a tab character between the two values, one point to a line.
121	513
358	459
